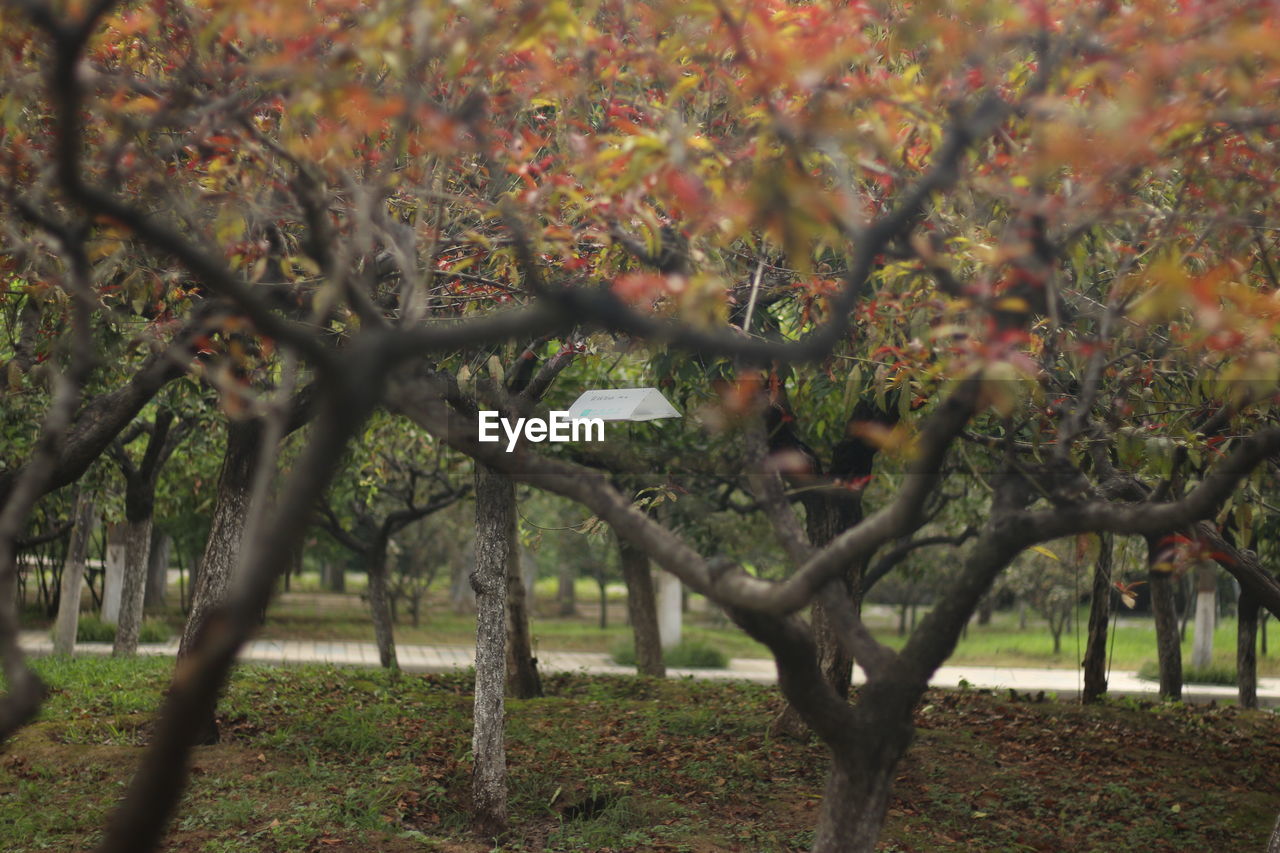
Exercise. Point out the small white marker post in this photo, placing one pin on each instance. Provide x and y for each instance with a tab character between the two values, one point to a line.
639	404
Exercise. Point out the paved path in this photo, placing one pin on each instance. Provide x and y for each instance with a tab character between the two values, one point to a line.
1064	682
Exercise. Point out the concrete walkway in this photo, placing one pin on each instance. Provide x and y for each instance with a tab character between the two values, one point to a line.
1063	682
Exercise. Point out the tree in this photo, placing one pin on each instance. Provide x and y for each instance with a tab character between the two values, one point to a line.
64	635
642	608
141	477
495	546
1101	591
395	483
1049	580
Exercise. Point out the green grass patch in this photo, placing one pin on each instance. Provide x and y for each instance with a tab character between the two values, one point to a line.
1150	671
319	758
687	654
92	629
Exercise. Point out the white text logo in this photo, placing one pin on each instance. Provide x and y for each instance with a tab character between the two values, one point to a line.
558	428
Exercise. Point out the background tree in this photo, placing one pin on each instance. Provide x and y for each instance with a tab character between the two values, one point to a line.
141	478
1049	579
395	479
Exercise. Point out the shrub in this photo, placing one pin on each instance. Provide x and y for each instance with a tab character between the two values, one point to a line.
152	631
1213	674
689	654
91	629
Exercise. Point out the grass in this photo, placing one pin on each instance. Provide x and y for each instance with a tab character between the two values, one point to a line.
692	654
317	758
1193	675
1131	645
1002	643
306	614
91	629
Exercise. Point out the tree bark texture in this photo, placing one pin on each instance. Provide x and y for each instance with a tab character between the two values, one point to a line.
380	604
523	680
1168	644
495	534
1247	650
1095	652
642	607
157	571
133	590
825	519
230	515
212	586
856	797
64	632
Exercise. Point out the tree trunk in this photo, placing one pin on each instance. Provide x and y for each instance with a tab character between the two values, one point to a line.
1247	650
113	560
230	515
139	508
669	597
495	533
335	577
1206	612
1095	653
566	594
985	610
856	797
380	604
604	602
825	519
462	596
523	681
222	549
133	589
157	571
642	606
1273	843
64	634
1168	644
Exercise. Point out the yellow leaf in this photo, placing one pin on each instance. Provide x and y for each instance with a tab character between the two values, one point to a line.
1040	549
1013	304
